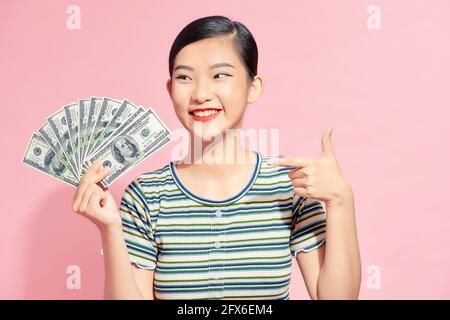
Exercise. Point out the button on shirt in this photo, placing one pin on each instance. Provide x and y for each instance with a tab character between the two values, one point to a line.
238	248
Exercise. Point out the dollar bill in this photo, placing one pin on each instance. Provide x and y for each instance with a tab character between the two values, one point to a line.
125	111
40	155
72	115
83	106
129	122
107	110
108	180
49	137
136	142
94	108
119	133
58	124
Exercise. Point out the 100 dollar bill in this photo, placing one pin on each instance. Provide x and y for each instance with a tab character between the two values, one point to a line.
60	128
83	113
94	109
136	142
130	121
72	119
107	110
40	156
125	112
49	137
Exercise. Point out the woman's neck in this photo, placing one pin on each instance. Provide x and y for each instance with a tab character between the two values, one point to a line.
218	157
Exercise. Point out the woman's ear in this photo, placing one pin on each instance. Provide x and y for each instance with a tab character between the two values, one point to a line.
169	86
256	89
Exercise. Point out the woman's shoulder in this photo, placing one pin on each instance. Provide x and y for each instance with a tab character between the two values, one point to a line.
154	177
147	188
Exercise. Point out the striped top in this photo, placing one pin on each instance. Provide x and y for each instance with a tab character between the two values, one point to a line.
238	248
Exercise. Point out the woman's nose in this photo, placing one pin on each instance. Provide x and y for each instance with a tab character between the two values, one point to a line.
201	92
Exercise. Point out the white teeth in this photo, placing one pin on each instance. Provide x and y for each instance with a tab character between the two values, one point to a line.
204	113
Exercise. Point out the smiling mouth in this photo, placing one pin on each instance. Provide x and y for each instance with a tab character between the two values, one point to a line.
205	114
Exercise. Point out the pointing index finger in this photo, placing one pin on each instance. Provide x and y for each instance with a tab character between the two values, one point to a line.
289	161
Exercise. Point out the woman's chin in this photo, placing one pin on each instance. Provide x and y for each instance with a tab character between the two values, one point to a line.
206	132
207	136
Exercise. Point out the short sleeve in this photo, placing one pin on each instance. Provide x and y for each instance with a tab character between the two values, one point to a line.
308	230
137	227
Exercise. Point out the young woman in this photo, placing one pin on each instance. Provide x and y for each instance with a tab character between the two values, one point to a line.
224	229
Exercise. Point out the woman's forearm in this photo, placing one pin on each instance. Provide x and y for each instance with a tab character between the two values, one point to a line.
120	283
340	276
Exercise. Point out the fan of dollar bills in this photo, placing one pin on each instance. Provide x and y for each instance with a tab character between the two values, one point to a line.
118	133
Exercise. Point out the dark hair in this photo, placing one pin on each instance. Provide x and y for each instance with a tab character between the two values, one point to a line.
216	26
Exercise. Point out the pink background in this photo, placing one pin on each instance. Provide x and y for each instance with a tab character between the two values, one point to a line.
385	91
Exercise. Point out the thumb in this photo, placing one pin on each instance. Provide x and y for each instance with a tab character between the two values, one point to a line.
327	147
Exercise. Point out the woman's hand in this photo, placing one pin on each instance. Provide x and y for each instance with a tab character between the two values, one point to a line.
93	202
320	179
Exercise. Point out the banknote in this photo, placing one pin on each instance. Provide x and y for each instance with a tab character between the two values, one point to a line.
118	132
94	108
71	111
83	105
139	140
124	112
58	124
49	137
129	122
107	110
40	155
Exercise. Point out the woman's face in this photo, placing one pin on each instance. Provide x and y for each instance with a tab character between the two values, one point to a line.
208	74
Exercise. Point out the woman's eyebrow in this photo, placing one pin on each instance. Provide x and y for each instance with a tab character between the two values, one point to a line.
216	65
223	64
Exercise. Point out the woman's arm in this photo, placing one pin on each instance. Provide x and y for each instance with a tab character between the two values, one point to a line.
333	270
120	282
322	179
340	274
98	205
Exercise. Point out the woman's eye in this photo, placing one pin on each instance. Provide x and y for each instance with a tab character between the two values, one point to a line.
182	77
221	73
